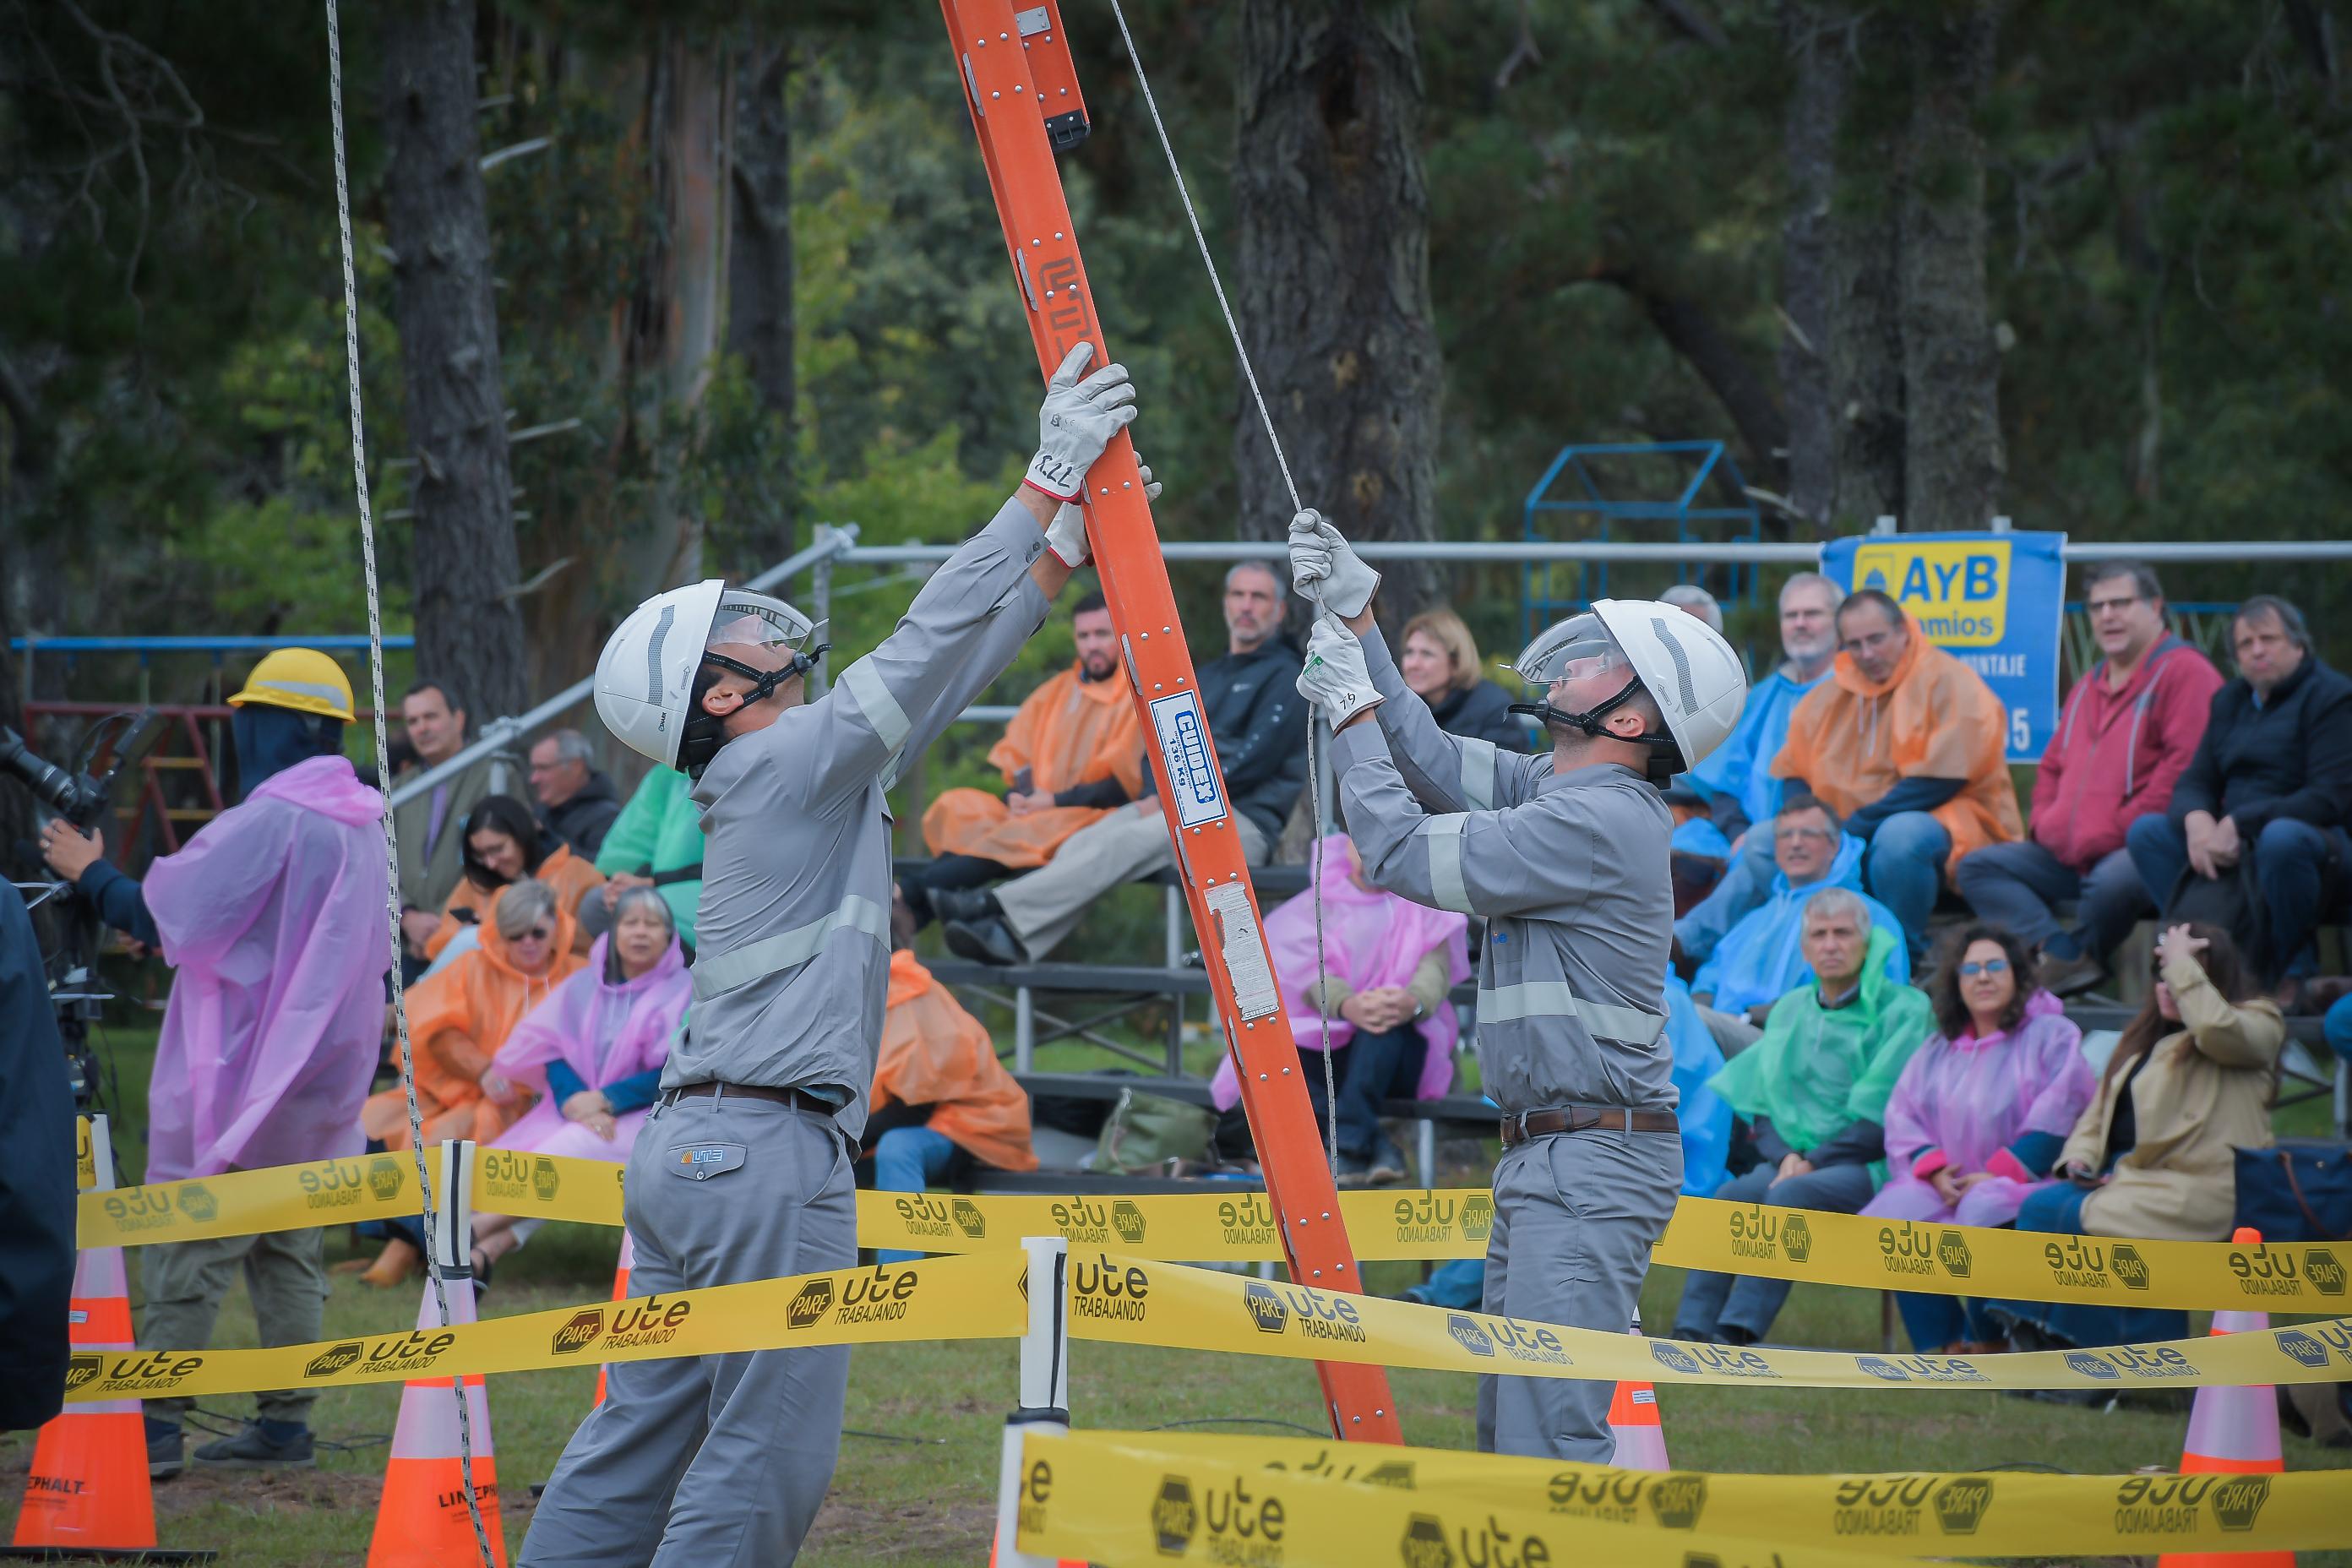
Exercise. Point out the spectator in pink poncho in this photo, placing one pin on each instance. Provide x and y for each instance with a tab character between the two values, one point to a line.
1389	964
592	1052
1980	1110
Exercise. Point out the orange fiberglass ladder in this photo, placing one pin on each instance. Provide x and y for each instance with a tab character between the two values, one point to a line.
1022	91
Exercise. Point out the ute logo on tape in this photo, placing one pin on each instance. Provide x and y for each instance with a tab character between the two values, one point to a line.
878	1295
2162	1505
1264	1308
2076	1260
2302	1347
1423	1545
337	1185
1396	1474
815	1300
334	1358
1612	1497
196	1201
1127	1220
1245	1529
1080	1221
153	1371
412	1351
921	1215
1881	1505
2239	1501
1468	1332
1758	1232
1961	1503
1427	1218
651	1321
2262	1271
1702	1359
1104	1289
1174	1519
1246	1222
581	1330
86	1365
968	1219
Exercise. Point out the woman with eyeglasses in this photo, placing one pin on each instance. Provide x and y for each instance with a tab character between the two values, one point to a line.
505	843
1978	1116
2153	1155
592	1054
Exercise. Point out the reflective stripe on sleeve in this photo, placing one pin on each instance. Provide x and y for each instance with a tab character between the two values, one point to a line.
874	700
1446	884
1478	773
1552	998
719	972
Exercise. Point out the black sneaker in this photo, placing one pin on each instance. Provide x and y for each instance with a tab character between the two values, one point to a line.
167	1451
1388	1165
985	942
966	904
1355	1170
252	1450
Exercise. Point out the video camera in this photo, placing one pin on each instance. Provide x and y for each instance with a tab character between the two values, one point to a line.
115	742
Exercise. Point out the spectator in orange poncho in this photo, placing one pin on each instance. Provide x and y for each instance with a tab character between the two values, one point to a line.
1072	751
504	842
1905	742
942	1103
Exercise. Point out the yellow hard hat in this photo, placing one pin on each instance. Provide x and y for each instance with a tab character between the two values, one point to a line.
300	679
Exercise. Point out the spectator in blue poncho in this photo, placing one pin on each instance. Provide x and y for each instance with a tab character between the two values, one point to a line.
1738	779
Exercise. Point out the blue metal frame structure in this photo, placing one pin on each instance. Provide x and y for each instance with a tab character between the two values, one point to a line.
1541	600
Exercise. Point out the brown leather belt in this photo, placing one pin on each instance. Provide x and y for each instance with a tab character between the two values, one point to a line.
1525	1124
792	1097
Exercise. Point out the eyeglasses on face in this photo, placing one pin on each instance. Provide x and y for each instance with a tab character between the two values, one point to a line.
537	933
1990	966
1780	833
2101	607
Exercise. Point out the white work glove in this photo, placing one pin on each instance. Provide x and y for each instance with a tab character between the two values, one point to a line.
1077	421
1067	535
1335	678
1319	554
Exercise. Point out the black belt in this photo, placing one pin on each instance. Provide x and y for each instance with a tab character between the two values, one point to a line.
797	1099
1525	1124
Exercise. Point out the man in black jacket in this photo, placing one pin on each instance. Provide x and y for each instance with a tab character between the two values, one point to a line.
37	1181
2272	779
1258	725
577	803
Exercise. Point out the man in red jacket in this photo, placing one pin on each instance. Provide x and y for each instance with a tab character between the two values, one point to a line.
2125	735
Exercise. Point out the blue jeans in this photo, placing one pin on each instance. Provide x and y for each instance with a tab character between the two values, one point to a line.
1748	1302
2059	1209
1903	869
2297	868
908	1160
2014	885
1747	883
1935	1322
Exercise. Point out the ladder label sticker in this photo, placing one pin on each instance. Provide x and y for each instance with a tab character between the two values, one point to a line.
1245	949
1193	787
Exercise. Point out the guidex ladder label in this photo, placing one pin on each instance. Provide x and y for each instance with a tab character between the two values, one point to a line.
1911	1513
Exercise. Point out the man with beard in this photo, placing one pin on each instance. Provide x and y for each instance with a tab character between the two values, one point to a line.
1259	726
1072	753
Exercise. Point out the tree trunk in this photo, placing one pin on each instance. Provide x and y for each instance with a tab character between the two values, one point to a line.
1953	464
469	631
1865	333
760	270
1816	39
1332	274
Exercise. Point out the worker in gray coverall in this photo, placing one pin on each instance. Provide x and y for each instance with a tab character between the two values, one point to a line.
1566	857
744	1170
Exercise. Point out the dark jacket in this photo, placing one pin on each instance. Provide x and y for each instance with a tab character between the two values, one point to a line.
584	819
37	1181
1258	721
1483	712
2290	756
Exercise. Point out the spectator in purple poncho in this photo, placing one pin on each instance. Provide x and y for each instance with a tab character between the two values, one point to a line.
1388	965
592	1052
1980	1113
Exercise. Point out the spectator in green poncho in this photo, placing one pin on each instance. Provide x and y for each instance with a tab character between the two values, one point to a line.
1813	1090
656	841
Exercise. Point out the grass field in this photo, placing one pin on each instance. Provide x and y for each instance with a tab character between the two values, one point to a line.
917	1475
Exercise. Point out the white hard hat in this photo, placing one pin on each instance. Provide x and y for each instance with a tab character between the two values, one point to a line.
1693	675
645	677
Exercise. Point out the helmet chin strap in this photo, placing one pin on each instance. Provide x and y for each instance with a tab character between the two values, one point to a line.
1665	754
705	731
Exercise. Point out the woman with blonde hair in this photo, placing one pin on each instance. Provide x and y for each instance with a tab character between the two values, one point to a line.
1439	660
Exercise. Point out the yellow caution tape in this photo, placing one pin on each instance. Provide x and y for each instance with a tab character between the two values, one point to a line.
1122	1499
85	1156
1732	1238
1136	1301
2001	1514
936	1299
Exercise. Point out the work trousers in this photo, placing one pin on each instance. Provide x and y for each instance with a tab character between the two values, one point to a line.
1575	1216
1043	906
2014	885
1713	1302
704	1462
1903	868
285	1274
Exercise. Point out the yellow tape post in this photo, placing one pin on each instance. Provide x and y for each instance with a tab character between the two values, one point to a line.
85	1156
936	1299
1125	1498
1136	1301
1917	1513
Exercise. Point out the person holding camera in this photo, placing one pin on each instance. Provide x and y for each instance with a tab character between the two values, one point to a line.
274	917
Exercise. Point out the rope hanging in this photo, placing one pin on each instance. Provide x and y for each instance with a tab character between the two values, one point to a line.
382	751
1314	720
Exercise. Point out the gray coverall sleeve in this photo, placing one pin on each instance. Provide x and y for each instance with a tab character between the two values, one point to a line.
1446	772
1471	862
963	628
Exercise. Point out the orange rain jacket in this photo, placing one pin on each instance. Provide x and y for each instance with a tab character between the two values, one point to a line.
1070	731
1852	740
458	1019
570	875
936	1054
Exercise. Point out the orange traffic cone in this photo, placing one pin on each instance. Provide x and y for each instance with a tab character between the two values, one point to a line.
620	1293
2234	1432
88	1485
1634	1418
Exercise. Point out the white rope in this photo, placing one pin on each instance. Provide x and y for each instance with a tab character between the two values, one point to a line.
1313	735
382	751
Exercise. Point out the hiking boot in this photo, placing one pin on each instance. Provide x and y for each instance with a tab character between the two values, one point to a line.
1355	1170
2071	976
167	1449
966	904
255	1449
1388	1165
985	940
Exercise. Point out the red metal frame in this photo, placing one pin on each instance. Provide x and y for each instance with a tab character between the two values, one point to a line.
1019	83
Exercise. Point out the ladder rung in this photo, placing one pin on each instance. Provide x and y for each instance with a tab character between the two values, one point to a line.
190	813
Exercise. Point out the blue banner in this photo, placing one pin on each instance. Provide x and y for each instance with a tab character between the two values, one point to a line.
1994	601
